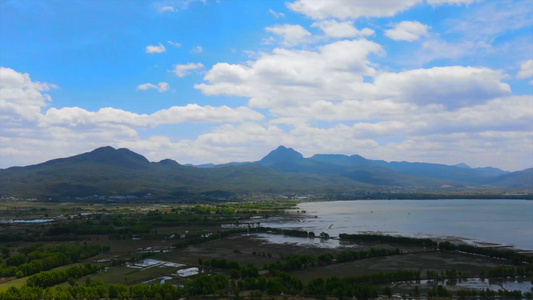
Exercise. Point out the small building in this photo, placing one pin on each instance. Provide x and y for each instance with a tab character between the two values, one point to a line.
188	272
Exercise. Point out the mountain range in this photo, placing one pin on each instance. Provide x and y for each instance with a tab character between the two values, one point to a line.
109	171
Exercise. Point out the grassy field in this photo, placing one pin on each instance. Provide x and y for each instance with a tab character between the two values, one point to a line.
18	282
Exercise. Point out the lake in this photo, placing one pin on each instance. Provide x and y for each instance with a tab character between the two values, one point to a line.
504	222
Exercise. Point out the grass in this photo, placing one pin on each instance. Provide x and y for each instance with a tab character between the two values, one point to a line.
125	275
15	282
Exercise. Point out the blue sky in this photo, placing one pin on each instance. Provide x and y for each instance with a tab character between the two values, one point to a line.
442	81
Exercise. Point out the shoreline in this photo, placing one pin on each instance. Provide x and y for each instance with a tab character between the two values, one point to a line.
297	218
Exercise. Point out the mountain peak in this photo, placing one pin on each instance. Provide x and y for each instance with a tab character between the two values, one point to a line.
103	149
282	153
340	159
108	155
169	162
282	158
463	165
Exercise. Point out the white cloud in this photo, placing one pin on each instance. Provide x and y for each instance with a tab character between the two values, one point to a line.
407	31
174	44
161	87
505	149
182	70
167	8
349	9
276	14
292	34
156	49
487	22
197	49
526	69
421	132
174	6
337	29
375	119
436	48
291	77
473	33
29	136
452	87
452	2
346	110
268	41
250	53
191	113
21	99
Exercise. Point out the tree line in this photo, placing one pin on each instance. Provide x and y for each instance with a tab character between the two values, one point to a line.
36	258
510	255
302	261
51	278
220	285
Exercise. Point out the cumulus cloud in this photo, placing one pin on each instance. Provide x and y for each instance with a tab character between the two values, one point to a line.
349	9
163	7
291	77
292	34
182	70
156	49
452	87
21	99
345	110
167	8
435	48
193	113
268	41
19	95
161	87
473	34
375	119
276	14
487	22
28	136
174	44
526	69
452	2
407	31
421	132
197	49
506	149
337	29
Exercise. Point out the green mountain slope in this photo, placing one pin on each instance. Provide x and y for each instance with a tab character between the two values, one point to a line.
109	171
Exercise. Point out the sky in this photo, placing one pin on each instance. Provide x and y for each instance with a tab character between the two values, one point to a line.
438	81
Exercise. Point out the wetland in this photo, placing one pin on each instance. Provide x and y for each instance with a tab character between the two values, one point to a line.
254	250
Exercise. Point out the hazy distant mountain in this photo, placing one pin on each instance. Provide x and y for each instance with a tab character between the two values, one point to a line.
109	171
462	165
485	171
515	180
210	165
377	172
106	156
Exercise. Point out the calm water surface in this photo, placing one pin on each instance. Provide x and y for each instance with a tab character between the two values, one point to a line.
506	222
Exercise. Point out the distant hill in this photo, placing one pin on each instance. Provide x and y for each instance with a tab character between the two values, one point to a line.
462	165
515	180
109	171
283	159
377	172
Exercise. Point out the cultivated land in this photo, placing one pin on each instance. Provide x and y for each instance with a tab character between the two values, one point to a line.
116	247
